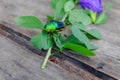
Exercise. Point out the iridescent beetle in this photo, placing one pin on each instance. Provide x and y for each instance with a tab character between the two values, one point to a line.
54	25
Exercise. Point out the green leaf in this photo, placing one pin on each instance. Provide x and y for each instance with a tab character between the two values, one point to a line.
80	35
58	41
87	11
59	9
29	22
53	4
80	49
50	18
93	47
109	6
42	41
36	41
69	6
94	33
73	39
101	19
46	40
80	16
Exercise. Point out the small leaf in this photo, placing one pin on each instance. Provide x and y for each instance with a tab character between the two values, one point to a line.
36	41
53	4
80	36
59	9
80	16
101	19
46	40
50	17
29	22
109	6
42	41
94	33
69	6
93	47
80	49
58	41
87	11
73	39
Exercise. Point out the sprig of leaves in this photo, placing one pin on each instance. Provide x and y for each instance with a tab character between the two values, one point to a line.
66	12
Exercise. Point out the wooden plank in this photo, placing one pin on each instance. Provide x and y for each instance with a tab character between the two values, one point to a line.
65	61
109	48
9	10
19	63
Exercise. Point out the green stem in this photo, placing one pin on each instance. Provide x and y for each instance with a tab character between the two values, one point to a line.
65	16
43	66
93	16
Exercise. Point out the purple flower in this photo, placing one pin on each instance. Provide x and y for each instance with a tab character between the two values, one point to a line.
94	5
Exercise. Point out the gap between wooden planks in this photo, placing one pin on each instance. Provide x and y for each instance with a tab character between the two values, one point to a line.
70	58
75	72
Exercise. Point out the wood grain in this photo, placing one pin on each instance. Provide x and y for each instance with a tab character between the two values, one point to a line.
18	63
109	47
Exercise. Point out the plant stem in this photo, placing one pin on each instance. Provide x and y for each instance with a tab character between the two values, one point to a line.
43	66
65	16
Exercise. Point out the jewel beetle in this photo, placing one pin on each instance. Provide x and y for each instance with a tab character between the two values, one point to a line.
54	25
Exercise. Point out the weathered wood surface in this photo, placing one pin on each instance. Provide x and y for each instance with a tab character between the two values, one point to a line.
109	48
18	63
64	65
11	9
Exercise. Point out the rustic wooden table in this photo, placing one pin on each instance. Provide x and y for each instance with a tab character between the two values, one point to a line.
18	64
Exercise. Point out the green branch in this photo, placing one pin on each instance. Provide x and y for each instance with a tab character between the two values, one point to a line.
43	66
65	16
